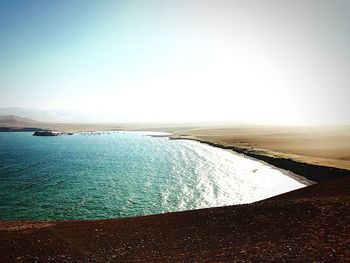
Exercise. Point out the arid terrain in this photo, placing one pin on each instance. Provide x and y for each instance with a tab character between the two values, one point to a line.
328	146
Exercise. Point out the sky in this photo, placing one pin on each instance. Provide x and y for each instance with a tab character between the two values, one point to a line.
260	62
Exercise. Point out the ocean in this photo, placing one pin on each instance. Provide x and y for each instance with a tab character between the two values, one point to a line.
104	175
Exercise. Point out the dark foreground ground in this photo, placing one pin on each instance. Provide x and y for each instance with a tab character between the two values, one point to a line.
307	225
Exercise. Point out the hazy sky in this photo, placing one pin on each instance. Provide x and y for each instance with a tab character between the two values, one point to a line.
282	62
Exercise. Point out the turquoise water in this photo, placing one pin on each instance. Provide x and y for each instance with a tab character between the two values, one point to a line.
121	174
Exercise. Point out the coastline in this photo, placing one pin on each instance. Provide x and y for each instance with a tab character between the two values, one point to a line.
308	224
304	172
196	176
312	172
299	178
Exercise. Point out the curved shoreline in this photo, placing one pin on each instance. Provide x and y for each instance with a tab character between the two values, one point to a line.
301	179
308	224
227	179
312	172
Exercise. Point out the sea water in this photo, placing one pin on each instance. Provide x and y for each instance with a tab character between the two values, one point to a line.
120	174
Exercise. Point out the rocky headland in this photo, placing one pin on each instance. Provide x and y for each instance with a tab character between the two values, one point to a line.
50	133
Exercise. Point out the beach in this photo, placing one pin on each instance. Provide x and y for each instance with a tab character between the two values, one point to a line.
322	145
309	224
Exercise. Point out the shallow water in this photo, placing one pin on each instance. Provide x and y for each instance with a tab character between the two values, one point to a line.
121	174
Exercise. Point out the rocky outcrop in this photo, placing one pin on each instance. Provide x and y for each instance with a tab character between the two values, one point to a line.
46	133
49	133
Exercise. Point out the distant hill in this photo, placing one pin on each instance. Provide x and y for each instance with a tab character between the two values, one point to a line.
34	114
10	123
51	116
16	121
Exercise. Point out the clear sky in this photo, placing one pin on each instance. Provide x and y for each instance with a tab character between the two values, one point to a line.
279	62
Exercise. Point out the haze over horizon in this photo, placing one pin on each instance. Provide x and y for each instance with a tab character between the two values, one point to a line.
268	62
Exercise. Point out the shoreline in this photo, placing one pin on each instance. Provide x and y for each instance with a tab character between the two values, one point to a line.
312	172
304	172
261	180
300	179
307	224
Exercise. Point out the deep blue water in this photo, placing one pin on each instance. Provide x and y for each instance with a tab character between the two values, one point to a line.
120	174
